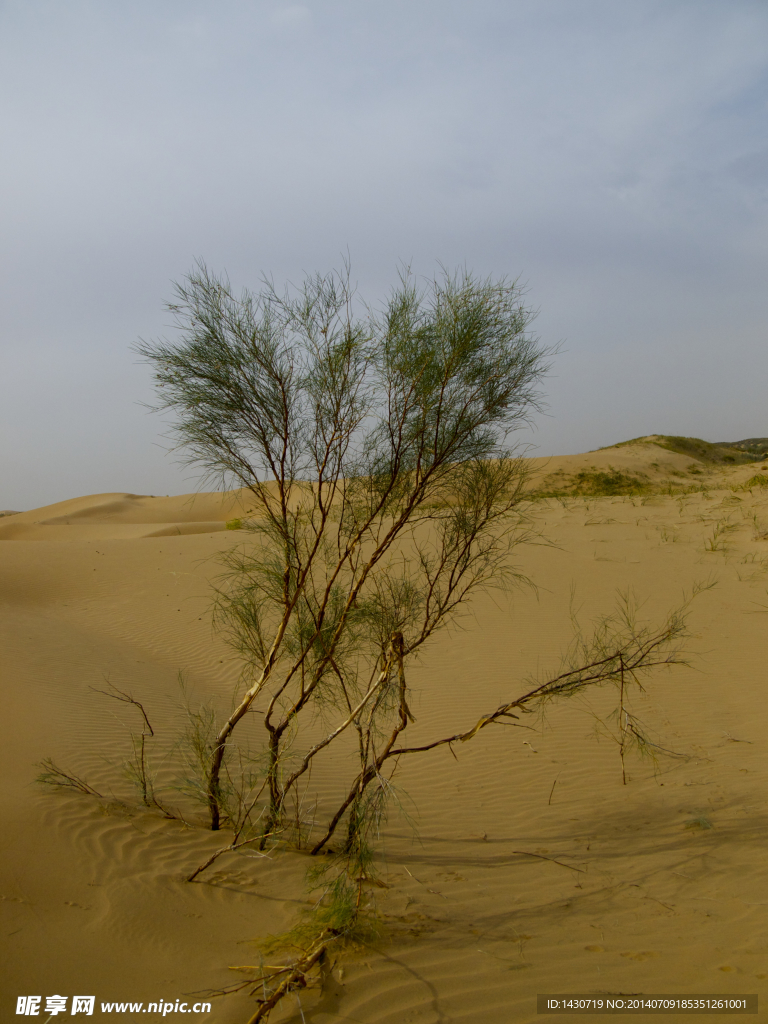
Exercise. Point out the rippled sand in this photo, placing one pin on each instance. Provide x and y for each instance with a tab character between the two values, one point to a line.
526	866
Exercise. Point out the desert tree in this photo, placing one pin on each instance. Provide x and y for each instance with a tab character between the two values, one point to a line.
374	445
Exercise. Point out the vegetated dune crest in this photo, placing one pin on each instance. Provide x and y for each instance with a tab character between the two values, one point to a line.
654	463
521	866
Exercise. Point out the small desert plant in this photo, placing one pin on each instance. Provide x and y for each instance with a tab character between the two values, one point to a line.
340	918
758	570
137	767
618	651
52	775
718	539
342	914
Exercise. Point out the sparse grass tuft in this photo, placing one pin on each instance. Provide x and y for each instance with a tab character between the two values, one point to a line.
717	542
754	481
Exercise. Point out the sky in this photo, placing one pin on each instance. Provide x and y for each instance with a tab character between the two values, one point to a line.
611	156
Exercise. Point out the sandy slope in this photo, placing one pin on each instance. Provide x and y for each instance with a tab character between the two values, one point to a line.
643	460
662	885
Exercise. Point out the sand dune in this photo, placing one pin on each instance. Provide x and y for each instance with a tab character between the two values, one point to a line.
650	460
530	868
124	517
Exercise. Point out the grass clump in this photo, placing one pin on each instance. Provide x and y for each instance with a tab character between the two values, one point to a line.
611	483
754	481
234	524
596	483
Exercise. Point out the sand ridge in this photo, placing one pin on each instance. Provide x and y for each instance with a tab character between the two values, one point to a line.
125	517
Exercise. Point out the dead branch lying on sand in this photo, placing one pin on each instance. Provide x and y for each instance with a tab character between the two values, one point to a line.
293	975
232	847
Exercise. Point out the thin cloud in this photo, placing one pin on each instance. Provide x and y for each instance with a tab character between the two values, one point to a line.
610	154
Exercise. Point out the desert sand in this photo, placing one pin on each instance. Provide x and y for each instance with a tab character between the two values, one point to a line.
522	866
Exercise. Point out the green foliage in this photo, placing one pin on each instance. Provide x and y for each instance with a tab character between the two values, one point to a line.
342	915
259	381
669	536
234	524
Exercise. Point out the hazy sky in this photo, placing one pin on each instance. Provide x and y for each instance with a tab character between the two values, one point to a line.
612	155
